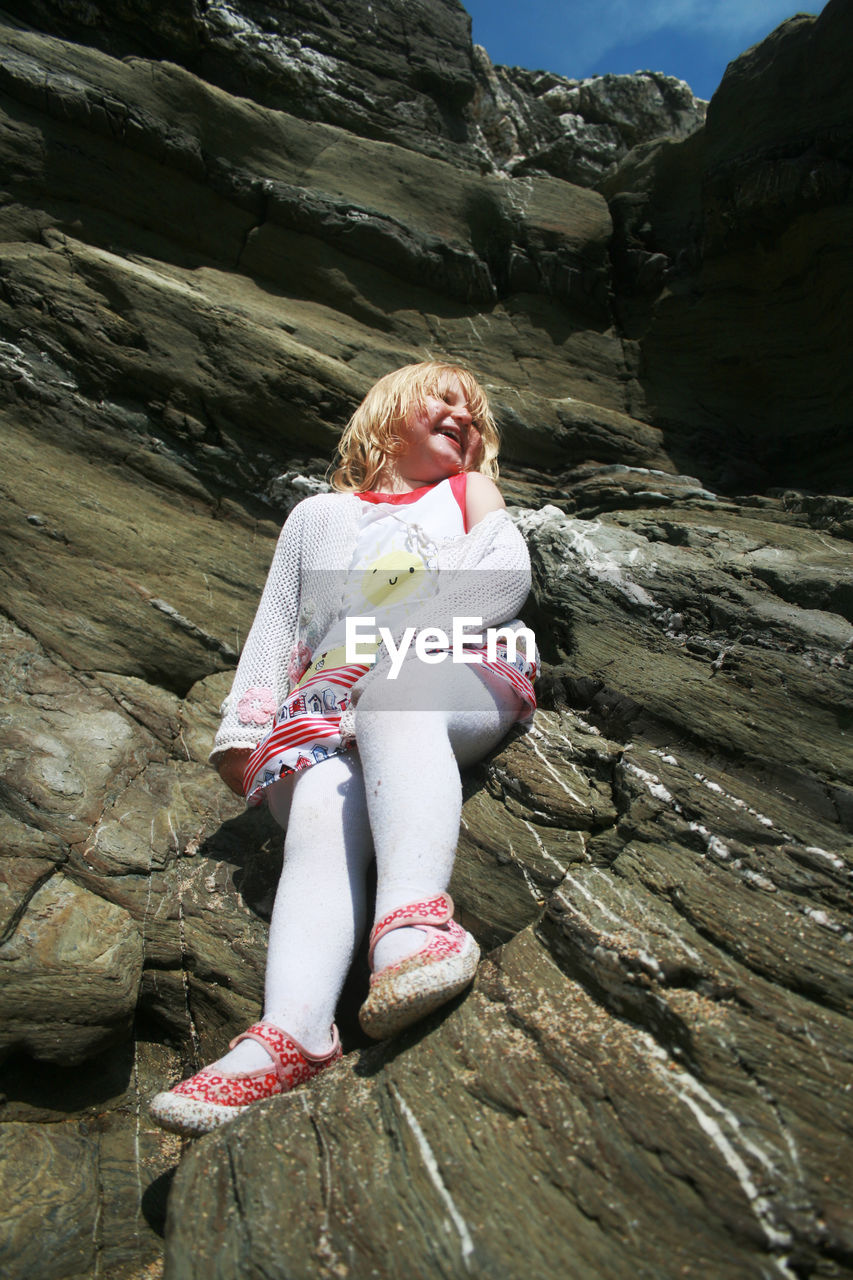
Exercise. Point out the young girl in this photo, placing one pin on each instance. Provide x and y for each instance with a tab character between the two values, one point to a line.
358	753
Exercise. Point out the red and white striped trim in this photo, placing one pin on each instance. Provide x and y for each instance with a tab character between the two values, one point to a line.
305	728
285	737
344	676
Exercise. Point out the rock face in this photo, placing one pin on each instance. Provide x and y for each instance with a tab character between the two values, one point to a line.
576	129
733	270
403	72
220	223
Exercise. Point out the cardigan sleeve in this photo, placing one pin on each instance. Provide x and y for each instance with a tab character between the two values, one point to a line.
261	681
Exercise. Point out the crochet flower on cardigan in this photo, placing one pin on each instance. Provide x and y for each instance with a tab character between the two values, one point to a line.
304	591
257	706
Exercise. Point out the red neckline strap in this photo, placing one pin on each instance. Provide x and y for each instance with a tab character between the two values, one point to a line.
457	485
372	495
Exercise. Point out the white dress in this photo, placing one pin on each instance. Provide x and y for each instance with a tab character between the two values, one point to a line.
393	569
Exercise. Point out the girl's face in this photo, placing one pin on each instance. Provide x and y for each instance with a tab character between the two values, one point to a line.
442	440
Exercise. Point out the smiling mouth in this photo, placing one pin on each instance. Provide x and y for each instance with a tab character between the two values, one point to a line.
455	436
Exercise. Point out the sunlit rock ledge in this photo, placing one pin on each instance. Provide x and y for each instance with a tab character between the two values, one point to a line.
219	225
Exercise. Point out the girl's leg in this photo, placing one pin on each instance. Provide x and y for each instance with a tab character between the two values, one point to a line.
413	736
319	910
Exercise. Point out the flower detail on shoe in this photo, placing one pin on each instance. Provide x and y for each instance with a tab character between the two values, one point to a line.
209	1085
435	910
257	706
407	990
443	942
212	1097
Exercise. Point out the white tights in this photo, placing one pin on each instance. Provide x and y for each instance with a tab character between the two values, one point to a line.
397	797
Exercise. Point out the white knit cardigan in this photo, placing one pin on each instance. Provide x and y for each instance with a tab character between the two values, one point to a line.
302	598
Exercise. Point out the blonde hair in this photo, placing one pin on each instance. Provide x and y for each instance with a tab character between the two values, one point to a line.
373	436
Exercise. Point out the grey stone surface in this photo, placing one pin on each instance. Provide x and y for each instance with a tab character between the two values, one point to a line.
207	257
732	268
84	1174
404	72
578	129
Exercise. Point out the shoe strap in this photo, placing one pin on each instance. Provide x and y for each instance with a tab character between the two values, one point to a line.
428	912
279	1045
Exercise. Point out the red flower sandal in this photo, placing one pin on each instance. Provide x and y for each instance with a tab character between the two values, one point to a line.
211	1098
410	989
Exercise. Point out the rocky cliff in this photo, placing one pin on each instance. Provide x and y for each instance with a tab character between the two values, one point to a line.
220	223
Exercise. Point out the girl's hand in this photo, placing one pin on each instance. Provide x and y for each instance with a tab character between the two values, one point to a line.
473	448
230	767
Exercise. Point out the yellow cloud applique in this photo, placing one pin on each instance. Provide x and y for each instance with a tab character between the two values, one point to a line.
392	578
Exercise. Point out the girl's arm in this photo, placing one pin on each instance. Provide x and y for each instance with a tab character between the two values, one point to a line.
261	679
482	495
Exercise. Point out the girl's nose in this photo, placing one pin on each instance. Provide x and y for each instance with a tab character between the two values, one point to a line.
462	414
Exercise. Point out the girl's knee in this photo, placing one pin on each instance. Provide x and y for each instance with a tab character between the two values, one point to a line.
412	690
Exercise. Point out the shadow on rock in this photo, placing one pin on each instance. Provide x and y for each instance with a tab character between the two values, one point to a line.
34	1090
155	1198
252	843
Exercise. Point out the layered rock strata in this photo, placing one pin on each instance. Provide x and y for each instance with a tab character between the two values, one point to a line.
403	72
207	254
733	270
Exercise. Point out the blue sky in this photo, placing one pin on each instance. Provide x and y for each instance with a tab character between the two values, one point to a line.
691	39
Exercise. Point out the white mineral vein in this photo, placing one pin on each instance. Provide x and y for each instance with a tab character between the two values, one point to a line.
431	1166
